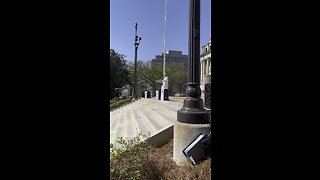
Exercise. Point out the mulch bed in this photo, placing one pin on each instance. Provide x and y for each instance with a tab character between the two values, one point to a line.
161	166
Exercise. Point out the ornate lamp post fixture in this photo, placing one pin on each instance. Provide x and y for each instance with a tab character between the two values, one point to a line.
192	118
193	110
136	44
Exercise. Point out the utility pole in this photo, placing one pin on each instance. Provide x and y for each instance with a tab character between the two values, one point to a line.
136	44
164	39
165	81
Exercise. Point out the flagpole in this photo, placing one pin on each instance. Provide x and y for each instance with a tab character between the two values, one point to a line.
164	39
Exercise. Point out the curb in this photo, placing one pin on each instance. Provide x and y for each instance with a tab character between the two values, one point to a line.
161	138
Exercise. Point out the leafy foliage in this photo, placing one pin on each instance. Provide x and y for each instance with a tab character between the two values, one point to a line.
178	77
149	74
136	160
115	104
127	162
119	74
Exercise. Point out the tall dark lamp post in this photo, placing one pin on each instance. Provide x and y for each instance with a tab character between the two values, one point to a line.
193	110
136	44
192	118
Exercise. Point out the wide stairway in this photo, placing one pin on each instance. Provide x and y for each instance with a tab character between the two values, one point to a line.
143	116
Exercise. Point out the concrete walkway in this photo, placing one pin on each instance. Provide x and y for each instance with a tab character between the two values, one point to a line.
143	116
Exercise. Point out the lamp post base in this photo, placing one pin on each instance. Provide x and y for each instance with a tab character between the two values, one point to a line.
184	134
193	112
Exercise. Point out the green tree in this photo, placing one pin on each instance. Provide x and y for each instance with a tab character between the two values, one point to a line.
119	74
149	74
178	77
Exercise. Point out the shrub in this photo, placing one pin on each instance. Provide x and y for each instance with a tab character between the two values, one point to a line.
144	162
126	162
116	104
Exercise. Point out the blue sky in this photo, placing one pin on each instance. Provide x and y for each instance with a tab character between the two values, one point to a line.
149	14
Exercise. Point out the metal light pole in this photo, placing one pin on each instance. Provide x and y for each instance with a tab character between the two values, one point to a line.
192	119
136	44
164	39
165	83
193	110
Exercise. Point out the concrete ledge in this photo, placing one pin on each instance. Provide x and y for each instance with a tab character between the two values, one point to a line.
184	134
161	138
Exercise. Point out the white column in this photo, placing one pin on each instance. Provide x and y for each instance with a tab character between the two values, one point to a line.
200	71
204	67
207	66
209	59
210	66
201	64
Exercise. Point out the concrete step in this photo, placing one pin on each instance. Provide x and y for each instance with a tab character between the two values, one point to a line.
145	116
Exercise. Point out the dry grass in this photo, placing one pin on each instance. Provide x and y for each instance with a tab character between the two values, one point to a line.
161	166
145	162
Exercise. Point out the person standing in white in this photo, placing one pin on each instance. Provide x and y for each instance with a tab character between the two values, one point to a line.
165	85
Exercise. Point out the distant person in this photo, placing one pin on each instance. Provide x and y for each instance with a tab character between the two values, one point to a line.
165	83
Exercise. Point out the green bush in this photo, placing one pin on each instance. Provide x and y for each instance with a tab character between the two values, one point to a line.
127	162
113	101
116	104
